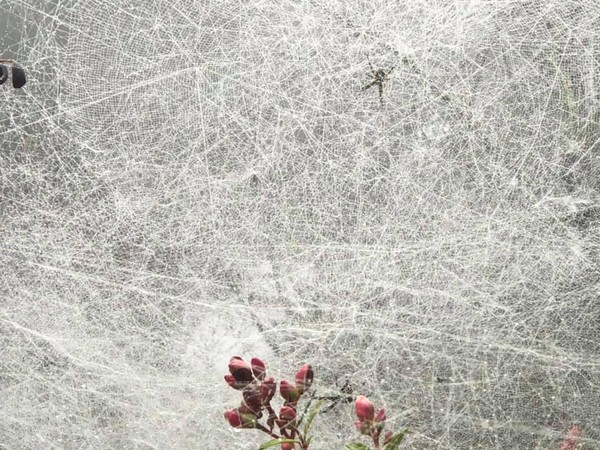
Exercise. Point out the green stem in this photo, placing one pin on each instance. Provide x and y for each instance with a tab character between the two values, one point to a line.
306	408
303	442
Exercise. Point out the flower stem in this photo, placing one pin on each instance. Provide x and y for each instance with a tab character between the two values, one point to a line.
261	427
376	439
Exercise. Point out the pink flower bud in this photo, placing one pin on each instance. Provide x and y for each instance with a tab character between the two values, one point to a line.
240	420
237	385
304	378
289	393
233	417
380	417
252	400
240	370
267	390
259	370
287	446
287	414
365	411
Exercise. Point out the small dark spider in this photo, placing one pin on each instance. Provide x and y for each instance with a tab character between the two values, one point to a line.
345	395
378	77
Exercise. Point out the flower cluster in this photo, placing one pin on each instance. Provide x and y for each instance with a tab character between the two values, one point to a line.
371	424
284	427
257	392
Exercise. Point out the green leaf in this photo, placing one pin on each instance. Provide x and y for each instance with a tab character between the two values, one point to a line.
357	446
276	442
395	440
311	417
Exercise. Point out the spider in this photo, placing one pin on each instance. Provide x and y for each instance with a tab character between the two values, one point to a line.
378	77
18	74
345	395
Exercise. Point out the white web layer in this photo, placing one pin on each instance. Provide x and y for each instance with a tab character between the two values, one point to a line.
183	181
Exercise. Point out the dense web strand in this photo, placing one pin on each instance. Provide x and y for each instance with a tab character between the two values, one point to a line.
182	181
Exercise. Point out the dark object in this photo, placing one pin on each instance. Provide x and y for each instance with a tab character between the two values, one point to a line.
18	74
379	77
3	73
18	77
346	395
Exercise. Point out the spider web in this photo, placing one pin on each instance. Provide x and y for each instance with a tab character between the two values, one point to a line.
186	180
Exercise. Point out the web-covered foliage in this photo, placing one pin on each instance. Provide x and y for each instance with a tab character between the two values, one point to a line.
185	180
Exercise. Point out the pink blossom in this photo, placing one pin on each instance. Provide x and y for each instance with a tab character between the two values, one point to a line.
259	370
287	413
365	411
304	378
240	420
267	390
233	417
289	393
240	370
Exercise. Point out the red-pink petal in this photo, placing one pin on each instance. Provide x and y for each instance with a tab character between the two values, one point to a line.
288	392
233	417
365	410
380	417
240	369
252	400
304	378
258	368
287	413
238	385
267	390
